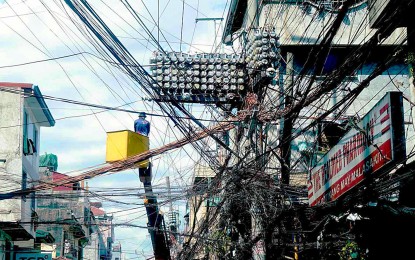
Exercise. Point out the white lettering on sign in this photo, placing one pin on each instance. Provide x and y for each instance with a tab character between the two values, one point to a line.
362	151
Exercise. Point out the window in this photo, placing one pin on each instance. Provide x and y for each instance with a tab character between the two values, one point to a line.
35	139
24	183
25	125
33	201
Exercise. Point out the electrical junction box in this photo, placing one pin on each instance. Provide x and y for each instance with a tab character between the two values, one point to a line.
125	143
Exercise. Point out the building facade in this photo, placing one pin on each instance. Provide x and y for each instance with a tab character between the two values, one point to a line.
23	113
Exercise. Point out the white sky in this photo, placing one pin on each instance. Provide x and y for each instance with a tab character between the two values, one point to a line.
29	33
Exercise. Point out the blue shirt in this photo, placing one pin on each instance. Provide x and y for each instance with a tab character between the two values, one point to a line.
142	126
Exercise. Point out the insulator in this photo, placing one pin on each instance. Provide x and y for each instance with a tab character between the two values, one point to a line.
196	86
218	60
174	85
181	66
225	67
189	79
233	67
264	62
211	60
264	48
197	80
186	96
160	57
233	80
241	73
273	41
233	87
182	79
174	71
166	85
233	61
166	78
174	79
211	87
203	67
218	73
264	41
272	34
203	87
204	60
226	80
196	66
272	54
211	73
196	60
211	67
154	73
241	87
203	73
232	74
257	43
189	72
218	67
226	74
263	55
182	85
219	80
188	86
181	59
225	87
159	78
240	81
196	73
153	60
189	59
211	80
265	33
173	58
203	80
257	34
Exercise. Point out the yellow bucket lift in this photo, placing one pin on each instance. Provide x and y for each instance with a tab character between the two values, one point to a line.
125	143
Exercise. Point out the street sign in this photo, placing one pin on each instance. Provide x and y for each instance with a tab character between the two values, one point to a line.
376	141
33	256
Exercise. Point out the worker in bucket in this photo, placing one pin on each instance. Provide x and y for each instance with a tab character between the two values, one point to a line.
141	125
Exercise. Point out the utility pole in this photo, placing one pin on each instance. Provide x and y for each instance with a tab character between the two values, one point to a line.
287	122
169	193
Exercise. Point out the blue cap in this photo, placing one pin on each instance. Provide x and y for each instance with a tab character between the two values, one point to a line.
142	114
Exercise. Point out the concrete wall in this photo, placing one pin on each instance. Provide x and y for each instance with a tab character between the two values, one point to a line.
12	160
302	24
11	151
91	251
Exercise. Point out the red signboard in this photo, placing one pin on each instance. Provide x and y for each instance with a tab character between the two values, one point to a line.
376	141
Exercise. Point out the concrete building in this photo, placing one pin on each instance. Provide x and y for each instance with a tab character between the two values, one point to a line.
201	208
23	112
106	231
64	213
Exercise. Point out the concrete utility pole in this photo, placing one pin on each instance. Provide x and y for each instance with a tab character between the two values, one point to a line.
287	122
169	193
